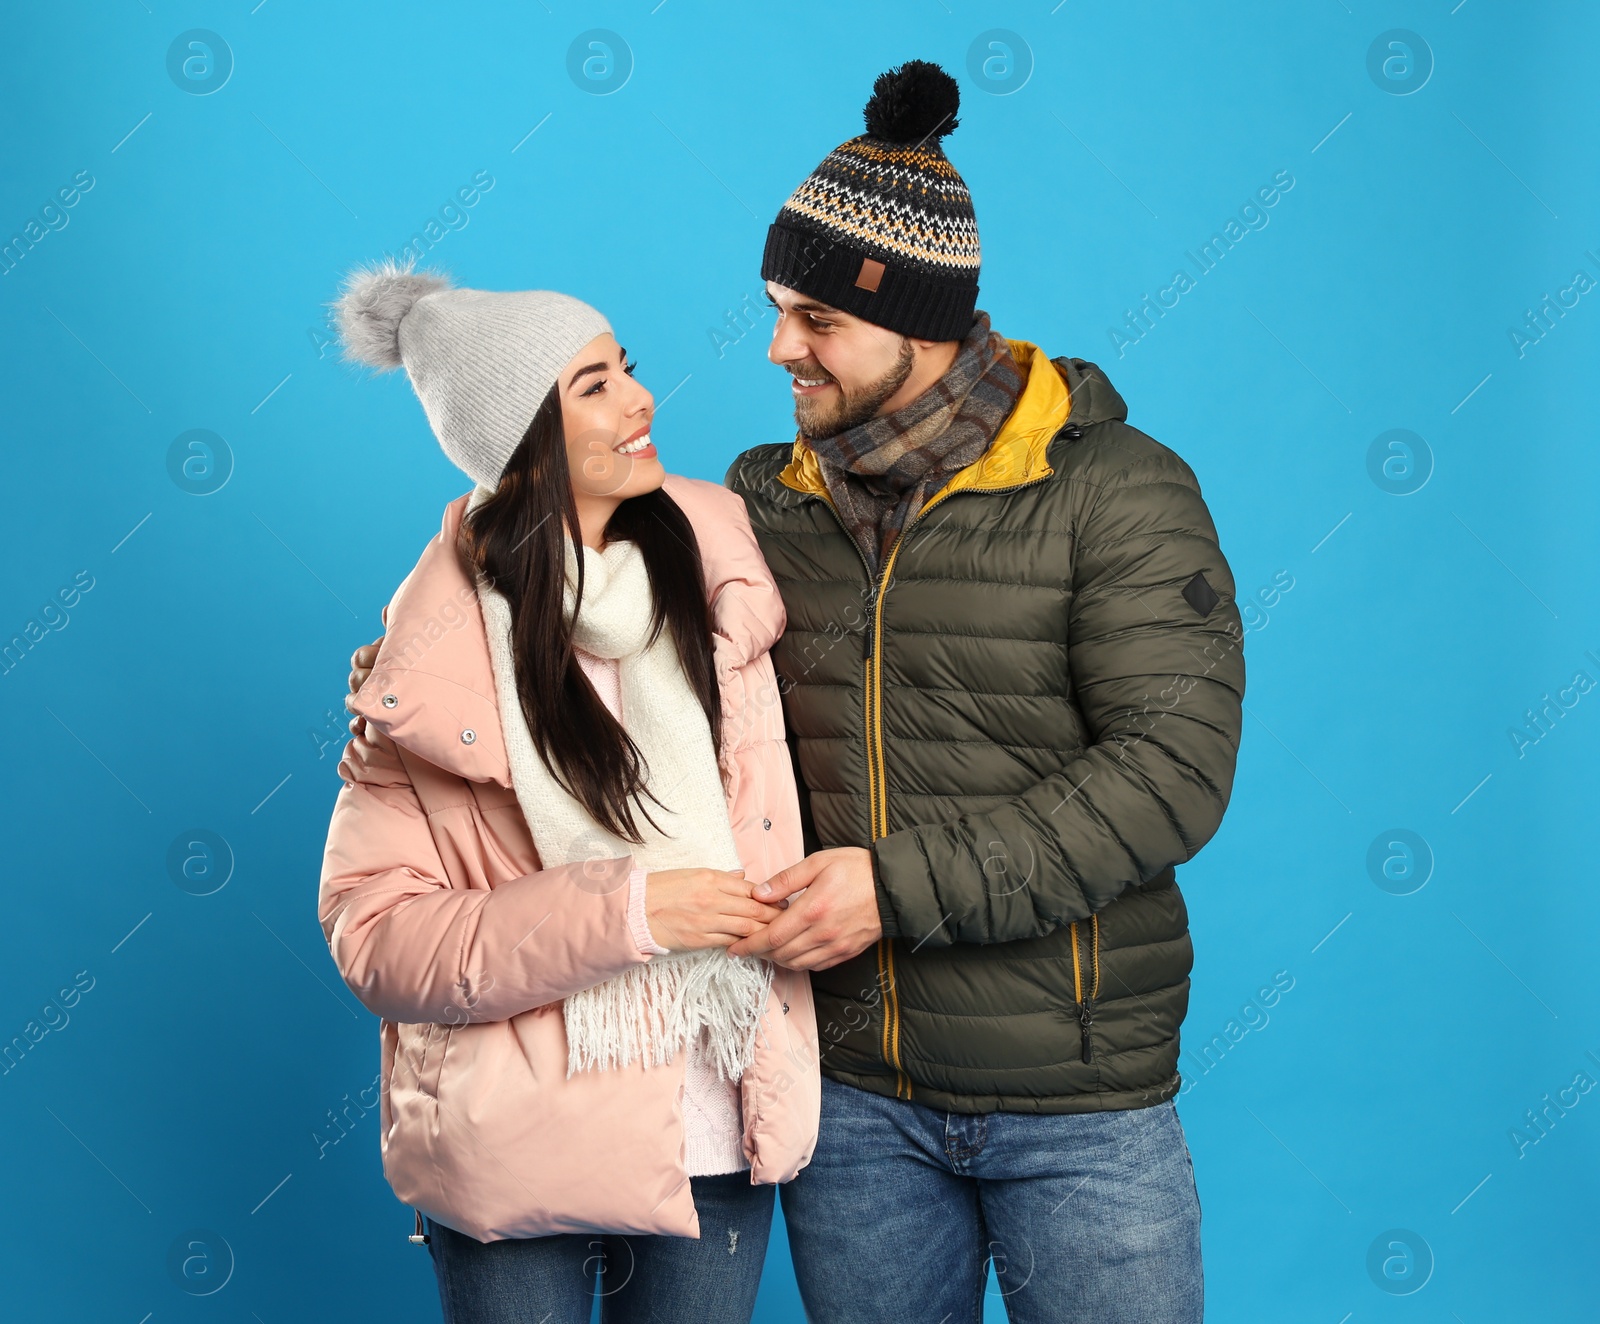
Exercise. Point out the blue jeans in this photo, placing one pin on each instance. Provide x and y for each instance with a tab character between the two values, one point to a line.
1087	1216
665	1280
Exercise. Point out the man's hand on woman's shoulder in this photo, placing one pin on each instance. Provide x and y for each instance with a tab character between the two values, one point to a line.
361	663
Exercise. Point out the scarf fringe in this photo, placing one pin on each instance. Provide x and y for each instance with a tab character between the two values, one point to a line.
650	1011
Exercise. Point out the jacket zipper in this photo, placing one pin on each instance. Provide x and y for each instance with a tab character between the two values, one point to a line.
889	1040
879	813
877	796
1086	1004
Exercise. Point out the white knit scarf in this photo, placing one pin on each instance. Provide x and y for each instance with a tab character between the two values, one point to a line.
655	1008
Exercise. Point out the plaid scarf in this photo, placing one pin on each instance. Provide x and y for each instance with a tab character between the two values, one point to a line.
880	472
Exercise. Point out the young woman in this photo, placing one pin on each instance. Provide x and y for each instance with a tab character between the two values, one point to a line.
570	772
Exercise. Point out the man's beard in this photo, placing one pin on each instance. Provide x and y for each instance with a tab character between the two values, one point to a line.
819	417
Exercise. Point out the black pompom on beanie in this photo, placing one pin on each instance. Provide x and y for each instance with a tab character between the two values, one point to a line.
884	228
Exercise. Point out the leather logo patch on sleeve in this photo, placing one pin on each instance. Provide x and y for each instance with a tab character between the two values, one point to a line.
1199	594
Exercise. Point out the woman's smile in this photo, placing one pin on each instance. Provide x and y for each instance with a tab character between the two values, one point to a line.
638	444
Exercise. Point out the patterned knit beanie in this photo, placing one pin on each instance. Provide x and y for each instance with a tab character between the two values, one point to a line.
883	228
480	361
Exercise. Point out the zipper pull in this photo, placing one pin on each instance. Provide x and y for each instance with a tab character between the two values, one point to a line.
1086	1023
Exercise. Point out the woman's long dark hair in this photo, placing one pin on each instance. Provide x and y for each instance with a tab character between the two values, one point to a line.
515	539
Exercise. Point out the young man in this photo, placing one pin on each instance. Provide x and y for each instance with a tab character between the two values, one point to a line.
1012	681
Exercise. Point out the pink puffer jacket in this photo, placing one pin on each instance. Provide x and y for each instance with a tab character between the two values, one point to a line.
442	922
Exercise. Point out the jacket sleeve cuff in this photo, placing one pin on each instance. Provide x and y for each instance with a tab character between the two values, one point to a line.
638	925
886	915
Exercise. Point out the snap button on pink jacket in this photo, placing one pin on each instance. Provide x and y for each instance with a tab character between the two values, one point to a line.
442	922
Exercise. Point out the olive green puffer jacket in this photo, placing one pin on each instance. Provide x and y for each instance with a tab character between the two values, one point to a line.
1030	725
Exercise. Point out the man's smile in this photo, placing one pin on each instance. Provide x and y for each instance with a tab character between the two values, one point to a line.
809	385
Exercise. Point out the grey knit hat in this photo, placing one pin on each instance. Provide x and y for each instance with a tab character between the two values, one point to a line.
481	361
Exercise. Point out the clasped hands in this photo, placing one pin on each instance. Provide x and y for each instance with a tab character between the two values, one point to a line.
834	917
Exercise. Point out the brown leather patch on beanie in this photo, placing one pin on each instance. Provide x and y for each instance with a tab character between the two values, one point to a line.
871	275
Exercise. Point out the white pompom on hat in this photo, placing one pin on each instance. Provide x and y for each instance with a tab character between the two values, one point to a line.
481	361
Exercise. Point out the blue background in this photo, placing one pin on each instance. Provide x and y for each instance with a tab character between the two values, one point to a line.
198	683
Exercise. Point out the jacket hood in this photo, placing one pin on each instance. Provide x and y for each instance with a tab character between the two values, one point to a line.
432	687
1055	393
1094	398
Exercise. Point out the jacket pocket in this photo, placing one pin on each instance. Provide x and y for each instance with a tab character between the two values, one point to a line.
419	1055
1086	979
